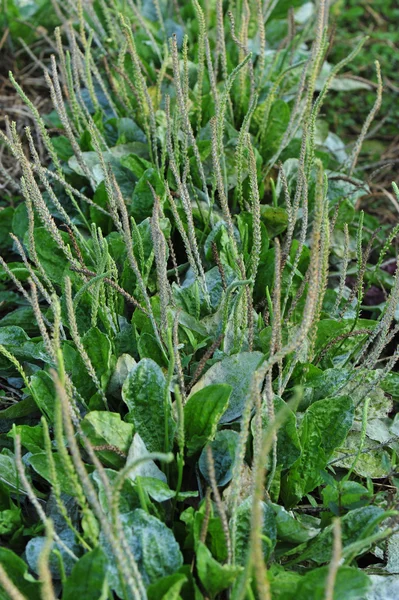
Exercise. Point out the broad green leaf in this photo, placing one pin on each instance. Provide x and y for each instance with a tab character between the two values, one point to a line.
135	164
288	444
390	384
147	468
129	131
17	342
283	583
35	547
159	491
51	257
350	584
19	271
224	448
143	199
75	366
98	348
6	219
124	365
329	382
291	529
236	371
347	495
17	571
276	126
214	577
324	427
104	428
275	219
355	525
87	579
241	523
374	463
40	464
21	409
167	588
22	317
148	347
20	222
63	147
8	472
42	388
129	498
153	545
146	396
202	413
31	437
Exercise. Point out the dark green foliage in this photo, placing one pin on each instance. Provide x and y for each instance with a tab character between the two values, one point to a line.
198	327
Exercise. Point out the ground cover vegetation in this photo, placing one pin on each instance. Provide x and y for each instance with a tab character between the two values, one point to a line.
198	333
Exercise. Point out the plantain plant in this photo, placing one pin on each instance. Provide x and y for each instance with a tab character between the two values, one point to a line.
198	402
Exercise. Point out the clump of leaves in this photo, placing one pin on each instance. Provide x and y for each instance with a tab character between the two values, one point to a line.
195	403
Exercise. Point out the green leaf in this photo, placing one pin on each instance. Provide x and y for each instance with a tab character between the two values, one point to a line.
202	413
107	428
31	437
51	257
8	472
143	200
129	499
324	427
20	221
98	348
21	409
40	464
146	396
17	342
242	524
153	545
390	384
43	391
224	448
283	583
146	468
290	528
350	583
87	579
236	371
347	495
6	219
10	521
23	317
355	525
167	588
62	146
17	571
148	347
288	444
159	491
374	463
124	365
75	366
135	164
279	117
129	131
214	577
275	219
35	546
